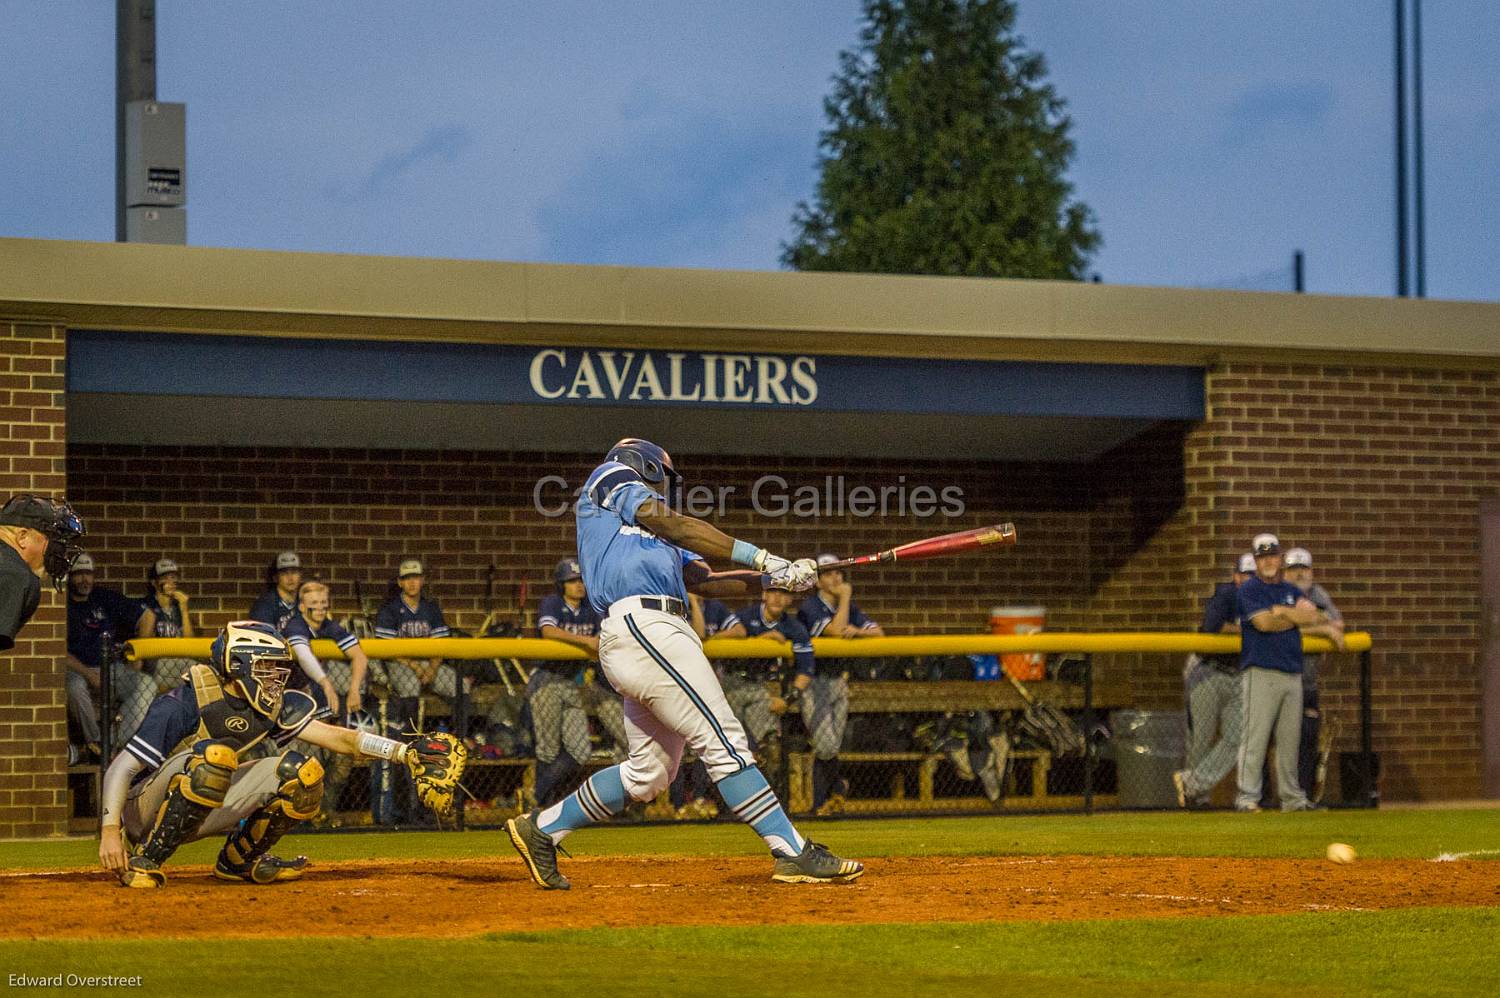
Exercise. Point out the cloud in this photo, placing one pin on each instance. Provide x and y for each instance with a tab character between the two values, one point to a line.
1298	105
442	142
686	190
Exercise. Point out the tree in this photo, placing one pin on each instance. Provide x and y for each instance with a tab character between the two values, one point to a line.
945	153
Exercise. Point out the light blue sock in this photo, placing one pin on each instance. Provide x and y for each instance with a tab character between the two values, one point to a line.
753	801
601	797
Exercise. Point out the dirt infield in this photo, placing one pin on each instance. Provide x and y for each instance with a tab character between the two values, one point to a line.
487	895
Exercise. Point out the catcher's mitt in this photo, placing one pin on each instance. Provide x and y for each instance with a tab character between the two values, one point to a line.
436	763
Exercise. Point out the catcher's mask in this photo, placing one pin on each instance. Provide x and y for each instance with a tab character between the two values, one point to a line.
55	520
651	462
252	656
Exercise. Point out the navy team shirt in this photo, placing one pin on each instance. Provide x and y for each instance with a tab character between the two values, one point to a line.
299	632
815	615
583	621
555	611
168	618
96	623
619	557
755	623
1223	608
1281	650
271	609
398	620
716	617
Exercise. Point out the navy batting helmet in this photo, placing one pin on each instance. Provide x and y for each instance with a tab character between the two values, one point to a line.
651	462
255	657
566	571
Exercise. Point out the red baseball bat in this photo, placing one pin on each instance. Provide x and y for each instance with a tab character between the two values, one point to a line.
937	547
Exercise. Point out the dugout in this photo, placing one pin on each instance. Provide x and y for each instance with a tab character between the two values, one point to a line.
220	405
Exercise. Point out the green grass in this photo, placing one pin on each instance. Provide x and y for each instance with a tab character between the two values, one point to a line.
1412	834
1421	951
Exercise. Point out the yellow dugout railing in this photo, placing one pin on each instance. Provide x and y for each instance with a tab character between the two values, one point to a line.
724	648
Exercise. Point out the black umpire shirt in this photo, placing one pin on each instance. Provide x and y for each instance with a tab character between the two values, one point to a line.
20	593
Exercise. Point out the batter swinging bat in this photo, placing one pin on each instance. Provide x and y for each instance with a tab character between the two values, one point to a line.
936	547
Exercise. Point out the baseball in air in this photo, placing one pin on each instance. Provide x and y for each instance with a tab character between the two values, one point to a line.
1340	852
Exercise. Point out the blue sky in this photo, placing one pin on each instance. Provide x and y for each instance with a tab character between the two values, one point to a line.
1213	139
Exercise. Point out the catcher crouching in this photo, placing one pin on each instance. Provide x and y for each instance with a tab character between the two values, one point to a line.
180	778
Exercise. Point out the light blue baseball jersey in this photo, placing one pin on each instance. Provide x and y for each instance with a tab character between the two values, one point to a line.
619	557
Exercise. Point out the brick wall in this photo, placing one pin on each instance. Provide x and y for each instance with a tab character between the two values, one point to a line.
223	513
33	740
1378	471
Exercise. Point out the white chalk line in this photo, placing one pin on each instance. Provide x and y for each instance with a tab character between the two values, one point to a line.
1454	857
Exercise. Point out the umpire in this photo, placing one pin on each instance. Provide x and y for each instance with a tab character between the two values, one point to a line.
36	536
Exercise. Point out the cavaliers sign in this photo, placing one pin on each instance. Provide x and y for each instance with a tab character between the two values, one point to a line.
641	376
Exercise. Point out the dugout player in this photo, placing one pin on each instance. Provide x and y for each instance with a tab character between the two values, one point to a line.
342	679
1299	572
744	679
832	613
337	689
157	797
98	620
410	614
1213	695
37	536
169	605
278	603
1273	613
639	557
559	721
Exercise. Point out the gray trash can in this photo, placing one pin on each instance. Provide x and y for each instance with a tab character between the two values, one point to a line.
1148	746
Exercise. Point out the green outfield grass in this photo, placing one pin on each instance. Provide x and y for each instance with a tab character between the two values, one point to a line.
1375	834
1410	951
1422	951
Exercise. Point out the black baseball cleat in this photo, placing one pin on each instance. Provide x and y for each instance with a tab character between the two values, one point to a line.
815	865
538	850
264	870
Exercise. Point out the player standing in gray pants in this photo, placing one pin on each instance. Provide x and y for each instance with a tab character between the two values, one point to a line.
1274	615
1215	711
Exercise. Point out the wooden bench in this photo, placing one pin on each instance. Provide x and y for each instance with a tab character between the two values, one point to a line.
1026	777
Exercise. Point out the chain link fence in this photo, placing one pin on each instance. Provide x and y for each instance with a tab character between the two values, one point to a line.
911	735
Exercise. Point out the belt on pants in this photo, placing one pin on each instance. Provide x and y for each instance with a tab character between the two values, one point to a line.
661	604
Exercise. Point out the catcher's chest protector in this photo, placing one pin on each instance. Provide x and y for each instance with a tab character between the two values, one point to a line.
223	719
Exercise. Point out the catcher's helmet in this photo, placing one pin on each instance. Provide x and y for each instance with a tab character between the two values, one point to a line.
54	519
651	462
566	571
254	657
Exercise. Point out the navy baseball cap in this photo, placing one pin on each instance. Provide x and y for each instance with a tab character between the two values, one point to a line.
1265	544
